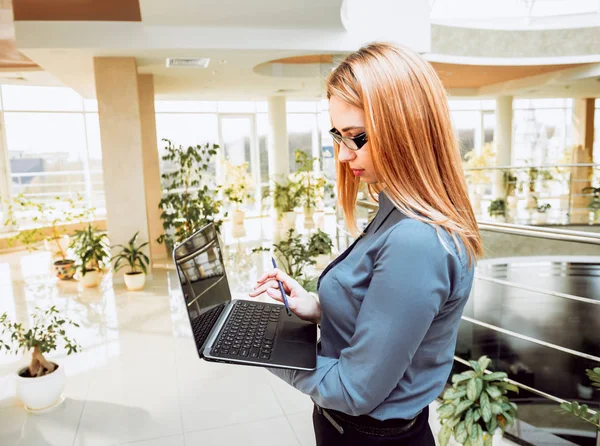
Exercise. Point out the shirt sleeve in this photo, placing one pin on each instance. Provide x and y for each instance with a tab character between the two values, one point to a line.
410	283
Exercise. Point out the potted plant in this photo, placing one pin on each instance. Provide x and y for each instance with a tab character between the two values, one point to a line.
132	256
50	219
93	254
542	213
311	186
476	406
286	197
321	247
594	204
497	209
294	257
39	385
237	189
190	199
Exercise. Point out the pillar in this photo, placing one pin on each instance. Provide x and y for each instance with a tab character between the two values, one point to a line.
503	141
583	139
279	162
5	191
151	163
121	131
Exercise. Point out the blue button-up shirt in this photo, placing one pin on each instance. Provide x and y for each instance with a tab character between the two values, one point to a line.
391	306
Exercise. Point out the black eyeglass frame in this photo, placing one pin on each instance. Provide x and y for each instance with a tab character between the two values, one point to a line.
353	143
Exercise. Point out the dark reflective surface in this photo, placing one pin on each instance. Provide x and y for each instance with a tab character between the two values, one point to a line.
566	323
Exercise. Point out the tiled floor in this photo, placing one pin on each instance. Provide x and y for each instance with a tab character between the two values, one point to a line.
138	379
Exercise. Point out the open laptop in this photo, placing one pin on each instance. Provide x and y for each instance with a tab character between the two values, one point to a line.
237	331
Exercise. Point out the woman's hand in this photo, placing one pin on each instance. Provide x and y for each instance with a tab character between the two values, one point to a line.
304	305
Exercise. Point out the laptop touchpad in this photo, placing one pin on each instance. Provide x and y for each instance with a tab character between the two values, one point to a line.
298	332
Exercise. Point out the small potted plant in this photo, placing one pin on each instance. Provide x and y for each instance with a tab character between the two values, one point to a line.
594	204
132	256
237	189
311	186
497	209
476	406
286	197
93	253
39	385
321	247
542	213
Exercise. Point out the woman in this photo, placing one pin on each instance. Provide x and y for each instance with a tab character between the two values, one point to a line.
390	306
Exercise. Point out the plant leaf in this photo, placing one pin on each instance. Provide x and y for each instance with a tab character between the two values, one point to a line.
444	435
464	405
486	410
460	433
496	376
472	389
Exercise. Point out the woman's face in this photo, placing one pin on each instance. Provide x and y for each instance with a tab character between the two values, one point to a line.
350	121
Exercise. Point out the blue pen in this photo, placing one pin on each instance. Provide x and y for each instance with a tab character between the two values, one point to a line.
285	302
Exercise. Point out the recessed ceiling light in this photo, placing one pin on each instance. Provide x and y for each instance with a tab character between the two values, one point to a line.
222	61
214	72
188	62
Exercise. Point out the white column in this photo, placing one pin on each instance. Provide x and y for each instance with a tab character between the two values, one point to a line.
279	160
122	148
503	140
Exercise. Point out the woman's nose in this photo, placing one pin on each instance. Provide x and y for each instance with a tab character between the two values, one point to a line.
345	154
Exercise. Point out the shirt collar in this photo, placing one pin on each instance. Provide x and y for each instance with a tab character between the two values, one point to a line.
385	208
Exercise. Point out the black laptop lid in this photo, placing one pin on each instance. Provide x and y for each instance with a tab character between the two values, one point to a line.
201	271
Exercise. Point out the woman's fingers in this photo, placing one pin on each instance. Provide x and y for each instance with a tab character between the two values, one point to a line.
277	274
261	288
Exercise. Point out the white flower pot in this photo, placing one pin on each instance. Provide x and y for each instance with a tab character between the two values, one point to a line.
499	218
289	220
238	231
43	392
308	218
90	279
52	245
541	218
237	217
135	281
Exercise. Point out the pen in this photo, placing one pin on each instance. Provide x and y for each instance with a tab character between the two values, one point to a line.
285	302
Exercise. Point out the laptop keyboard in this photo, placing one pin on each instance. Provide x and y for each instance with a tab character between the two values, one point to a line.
202	325
249	332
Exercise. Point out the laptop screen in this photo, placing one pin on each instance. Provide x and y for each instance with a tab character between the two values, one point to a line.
201	271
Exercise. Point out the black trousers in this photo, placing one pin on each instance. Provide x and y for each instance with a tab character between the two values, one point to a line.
327	435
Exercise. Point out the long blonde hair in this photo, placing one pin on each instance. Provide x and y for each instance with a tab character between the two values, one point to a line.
411	140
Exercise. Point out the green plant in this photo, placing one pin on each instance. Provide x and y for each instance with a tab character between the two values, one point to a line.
53	215
320	243
581	411
476	164
188	203
92	250
311	185
42	337
286	197
533	174
132	255
238	184
476	405
497	207
543	207
294	258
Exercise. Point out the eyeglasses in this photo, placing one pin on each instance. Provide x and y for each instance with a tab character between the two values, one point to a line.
352	142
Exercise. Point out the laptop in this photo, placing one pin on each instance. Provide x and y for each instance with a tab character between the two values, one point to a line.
237	331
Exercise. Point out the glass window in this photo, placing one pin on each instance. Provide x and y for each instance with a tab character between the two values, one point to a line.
46	152
303	106
236	134
489	127
301	129
95	162
236	107
90	105
540	135
465	124
262	130
185	106
19	97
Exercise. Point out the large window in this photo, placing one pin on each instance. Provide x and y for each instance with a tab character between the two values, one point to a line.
52	141
541	130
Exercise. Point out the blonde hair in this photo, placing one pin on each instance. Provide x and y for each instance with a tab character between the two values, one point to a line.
411	140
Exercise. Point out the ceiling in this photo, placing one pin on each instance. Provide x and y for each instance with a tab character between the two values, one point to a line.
258	48
96	10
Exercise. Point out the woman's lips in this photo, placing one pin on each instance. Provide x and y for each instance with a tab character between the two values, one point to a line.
358	172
